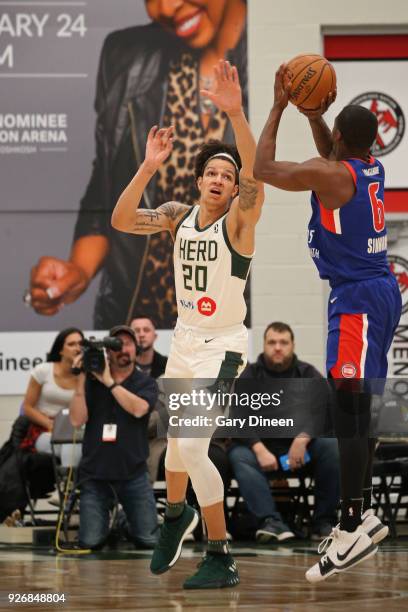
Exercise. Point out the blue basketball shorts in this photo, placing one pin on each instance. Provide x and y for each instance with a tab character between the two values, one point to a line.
362	318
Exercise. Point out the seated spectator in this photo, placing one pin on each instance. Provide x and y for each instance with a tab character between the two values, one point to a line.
115	407
148	360
50	389
254	459
23	474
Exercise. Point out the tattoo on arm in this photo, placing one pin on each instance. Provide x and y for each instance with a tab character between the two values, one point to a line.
170	210
148	221
151	215
161	219
248	190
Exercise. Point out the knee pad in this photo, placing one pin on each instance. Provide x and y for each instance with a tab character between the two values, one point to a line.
173	461
193	450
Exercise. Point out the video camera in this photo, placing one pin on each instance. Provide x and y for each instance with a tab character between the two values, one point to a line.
92	350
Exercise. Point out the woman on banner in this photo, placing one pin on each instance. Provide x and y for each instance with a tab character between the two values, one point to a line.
147	75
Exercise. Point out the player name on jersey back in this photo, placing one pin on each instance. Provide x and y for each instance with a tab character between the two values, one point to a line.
375	245
350	243
210	275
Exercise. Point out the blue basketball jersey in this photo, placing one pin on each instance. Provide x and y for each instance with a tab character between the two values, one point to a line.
350	243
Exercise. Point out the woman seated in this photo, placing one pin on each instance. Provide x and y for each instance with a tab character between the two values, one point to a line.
50	390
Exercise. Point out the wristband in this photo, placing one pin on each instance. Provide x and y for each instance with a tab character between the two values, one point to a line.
115	384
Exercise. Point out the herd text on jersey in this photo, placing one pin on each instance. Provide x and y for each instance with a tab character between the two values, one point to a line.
210	275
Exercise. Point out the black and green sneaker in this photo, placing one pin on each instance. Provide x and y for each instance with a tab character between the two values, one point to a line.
214	572
172	534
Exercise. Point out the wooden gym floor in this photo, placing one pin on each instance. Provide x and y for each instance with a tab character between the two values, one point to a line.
272	579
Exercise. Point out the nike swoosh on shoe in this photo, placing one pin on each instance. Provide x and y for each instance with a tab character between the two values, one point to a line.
346	554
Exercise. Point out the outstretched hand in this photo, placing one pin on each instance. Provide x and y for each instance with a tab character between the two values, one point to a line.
159	146
282	87
226	91
325	103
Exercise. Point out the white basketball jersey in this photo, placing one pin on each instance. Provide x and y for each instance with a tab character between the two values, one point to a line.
210	276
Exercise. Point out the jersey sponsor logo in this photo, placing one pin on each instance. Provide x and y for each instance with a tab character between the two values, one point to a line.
188	304
391	120
399	267
206	306
348	370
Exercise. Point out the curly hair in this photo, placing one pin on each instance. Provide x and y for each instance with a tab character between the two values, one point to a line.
210	148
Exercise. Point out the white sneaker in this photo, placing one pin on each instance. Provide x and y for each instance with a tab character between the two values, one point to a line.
344	550
371	524
373	527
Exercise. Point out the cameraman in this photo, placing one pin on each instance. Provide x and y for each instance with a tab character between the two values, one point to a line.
115	405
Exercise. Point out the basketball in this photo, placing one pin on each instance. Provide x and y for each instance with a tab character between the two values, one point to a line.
313	77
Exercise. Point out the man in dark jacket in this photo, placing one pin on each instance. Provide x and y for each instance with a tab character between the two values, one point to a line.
138	72
148	360
252	459
115	406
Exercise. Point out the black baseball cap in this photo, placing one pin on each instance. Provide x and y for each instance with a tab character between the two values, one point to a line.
123	329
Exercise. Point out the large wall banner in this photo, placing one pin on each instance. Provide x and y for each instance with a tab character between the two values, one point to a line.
82	83
370	71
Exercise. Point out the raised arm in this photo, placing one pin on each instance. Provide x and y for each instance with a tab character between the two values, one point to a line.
330	179
265	165
322	137
246	207
251	192
126	216
321	132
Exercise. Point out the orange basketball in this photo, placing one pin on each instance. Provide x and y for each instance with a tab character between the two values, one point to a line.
313	77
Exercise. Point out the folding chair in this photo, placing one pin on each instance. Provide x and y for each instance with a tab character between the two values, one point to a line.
391	459
291	493
391	488
64	433
26	476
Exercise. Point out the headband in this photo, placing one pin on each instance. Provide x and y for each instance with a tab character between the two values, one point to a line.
226	156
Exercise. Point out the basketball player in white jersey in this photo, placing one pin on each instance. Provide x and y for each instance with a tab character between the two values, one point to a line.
213	248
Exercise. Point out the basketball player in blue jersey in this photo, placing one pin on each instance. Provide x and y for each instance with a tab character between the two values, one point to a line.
348	243
213	248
